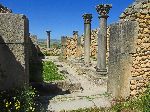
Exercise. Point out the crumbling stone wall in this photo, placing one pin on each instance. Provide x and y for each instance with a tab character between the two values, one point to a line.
122	36
4	9
71	47
135	65
140	12
35	63
14	37
33	44
94	44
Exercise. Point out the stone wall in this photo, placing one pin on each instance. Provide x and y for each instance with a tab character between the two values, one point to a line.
94	44
14	37
74	47
35	63
122	45
33	44
134	65
71	47
4	9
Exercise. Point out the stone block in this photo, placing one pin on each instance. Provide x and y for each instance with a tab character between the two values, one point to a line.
14	60
122	39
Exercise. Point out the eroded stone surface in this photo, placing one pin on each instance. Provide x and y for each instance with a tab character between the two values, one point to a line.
14	59
137	70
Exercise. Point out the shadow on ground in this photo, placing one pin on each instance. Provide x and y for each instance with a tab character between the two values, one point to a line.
46	92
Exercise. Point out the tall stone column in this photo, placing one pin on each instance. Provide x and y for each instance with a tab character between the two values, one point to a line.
63	46
87	36
103	11
48	38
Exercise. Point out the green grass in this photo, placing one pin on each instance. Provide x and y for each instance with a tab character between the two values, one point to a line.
139	104
94	109
50	72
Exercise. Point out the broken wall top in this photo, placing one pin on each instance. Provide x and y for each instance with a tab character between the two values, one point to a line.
141	0
4	9
15	26
34	39
138	8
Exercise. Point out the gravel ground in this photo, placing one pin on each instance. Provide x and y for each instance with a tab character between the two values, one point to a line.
91	94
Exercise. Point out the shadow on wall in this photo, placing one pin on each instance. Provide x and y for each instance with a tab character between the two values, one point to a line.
12	73
35	63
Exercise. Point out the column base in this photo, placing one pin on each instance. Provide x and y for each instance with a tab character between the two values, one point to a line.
101	71
88	65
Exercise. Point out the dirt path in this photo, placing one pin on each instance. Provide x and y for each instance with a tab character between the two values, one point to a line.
90	95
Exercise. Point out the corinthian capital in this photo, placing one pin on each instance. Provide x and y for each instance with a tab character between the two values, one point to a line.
87	18
103	9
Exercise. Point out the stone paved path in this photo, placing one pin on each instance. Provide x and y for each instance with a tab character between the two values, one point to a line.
90	95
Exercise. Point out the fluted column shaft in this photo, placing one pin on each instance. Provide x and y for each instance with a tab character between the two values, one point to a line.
103	11
63	45
48	38
87	36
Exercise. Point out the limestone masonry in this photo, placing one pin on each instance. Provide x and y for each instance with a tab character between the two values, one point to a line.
128	50
14	37
4	9
140	63
121	50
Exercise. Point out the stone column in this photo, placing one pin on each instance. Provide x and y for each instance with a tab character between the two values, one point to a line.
48	38
75	33
63	45
87	36
103	11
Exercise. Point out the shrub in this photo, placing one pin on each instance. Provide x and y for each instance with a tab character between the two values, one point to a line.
139	104
50	72
18	100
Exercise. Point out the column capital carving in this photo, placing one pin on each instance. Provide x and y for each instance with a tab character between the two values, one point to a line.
48	32
75	32
103	10
87	18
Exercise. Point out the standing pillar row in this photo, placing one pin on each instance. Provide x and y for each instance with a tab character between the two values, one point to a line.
87	35
103	11
48	38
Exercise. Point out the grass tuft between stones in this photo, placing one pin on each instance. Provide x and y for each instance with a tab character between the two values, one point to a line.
50	72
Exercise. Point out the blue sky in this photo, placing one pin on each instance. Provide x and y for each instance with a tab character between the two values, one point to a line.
62	17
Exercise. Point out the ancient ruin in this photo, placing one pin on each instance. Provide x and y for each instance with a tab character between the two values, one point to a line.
103	11
93	68
4	9
129	51
48	38
87	35
14	35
